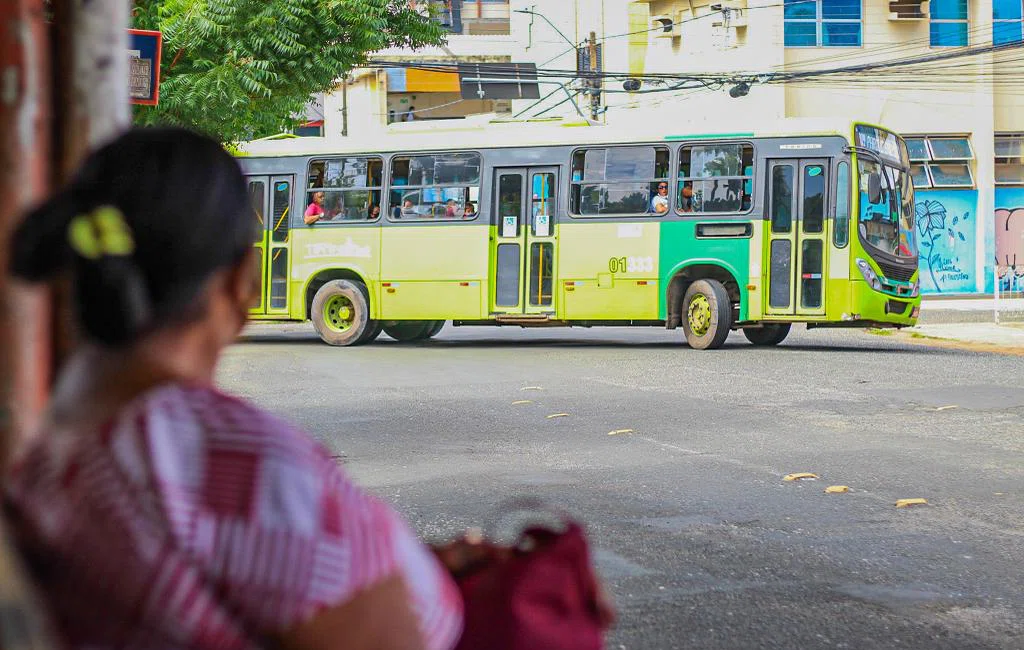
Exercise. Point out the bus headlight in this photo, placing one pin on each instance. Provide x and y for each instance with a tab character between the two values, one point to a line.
916	289
869	274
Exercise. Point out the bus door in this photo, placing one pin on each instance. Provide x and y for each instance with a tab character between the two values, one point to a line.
796	250
271	198
523	246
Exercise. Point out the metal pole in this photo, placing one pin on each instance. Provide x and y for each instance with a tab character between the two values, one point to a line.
25	160
344	106
91	106
595	79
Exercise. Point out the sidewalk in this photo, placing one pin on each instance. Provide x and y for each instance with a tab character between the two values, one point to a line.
935	310
971	320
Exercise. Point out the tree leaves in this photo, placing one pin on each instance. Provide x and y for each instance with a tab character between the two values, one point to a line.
241	69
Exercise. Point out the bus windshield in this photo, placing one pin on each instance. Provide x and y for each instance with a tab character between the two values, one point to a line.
888	223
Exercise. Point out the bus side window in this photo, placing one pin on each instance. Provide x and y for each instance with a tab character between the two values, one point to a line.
619	181
716	178
345	189
841	232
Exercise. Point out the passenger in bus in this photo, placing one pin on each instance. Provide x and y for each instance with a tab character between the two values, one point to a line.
470	212
686	198
659	204
315	209
233	528
373	213
407	210
451	209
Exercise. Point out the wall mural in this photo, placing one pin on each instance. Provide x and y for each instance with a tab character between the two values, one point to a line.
947	226
1010	238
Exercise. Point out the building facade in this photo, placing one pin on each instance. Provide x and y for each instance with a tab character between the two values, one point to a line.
927	69
962	114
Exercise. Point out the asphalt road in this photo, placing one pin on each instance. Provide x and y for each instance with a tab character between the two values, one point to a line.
701	541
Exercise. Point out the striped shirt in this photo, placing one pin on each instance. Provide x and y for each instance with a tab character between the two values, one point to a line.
195	520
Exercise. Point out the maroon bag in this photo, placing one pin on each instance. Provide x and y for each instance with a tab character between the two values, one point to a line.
540	594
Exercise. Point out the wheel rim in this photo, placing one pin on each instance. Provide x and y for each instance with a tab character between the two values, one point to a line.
698	315
339	314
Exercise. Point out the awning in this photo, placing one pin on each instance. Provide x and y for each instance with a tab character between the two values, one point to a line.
412	80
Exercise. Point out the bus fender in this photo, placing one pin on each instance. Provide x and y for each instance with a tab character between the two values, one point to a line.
682	275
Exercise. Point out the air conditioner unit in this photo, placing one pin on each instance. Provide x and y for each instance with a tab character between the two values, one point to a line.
908	10
731	13
667	26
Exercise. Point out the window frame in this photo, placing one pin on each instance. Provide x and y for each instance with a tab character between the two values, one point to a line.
965	21
391	186
926	164
679	180
819	31
307	191
1008	160
648	214
1008	21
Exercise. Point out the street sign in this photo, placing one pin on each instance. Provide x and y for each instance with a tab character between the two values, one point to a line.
144	66
498	81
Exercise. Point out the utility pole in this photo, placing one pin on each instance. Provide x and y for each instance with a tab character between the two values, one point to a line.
595	77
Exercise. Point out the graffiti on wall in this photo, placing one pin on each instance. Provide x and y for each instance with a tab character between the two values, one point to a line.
946	225
1010	238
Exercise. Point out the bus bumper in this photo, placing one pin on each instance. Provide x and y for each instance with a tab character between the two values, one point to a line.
866	304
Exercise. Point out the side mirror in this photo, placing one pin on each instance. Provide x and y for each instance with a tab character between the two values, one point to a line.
874	188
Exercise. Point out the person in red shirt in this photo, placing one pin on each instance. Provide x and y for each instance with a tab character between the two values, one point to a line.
156	511
315	210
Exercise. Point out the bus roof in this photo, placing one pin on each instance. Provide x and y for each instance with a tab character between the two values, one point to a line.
488	131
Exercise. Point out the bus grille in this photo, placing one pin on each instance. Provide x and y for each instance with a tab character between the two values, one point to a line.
897	271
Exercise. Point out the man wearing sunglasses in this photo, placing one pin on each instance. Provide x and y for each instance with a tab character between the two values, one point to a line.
659	203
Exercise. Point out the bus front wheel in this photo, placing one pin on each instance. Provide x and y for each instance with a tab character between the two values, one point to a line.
771	334
341	313
707	314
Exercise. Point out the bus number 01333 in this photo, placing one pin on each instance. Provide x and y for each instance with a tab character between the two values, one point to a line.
631	264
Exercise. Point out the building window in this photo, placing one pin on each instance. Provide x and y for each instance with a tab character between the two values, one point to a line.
344	189
940	161
437	186
822	23
948	23
715	178
620	181
1010	159
1006	22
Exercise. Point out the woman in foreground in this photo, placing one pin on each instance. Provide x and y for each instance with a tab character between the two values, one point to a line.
155	511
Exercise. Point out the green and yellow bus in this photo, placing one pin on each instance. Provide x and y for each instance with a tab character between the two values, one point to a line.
559	224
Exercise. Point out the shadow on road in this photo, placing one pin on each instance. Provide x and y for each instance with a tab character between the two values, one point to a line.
603	344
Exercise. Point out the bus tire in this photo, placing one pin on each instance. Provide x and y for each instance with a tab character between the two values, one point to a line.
409	330
435	327
341	312
769	334
707	314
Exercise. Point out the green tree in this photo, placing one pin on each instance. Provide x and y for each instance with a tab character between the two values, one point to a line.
241	69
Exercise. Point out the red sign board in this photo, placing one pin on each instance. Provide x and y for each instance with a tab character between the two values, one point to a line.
144	48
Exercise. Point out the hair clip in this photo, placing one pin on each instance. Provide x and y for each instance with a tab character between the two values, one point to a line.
103	231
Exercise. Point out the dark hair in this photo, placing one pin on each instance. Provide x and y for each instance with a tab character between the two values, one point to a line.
185	203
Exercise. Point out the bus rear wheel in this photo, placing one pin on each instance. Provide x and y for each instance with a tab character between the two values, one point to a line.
410	330
341	313
707	314
770	334
435	327
371	333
